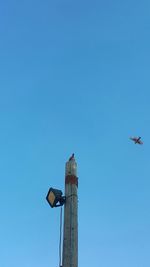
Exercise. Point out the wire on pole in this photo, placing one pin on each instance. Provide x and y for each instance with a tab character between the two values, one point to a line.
60	239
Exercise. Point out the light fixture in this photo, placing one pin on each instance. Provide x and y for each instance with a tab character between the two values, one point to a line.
55	198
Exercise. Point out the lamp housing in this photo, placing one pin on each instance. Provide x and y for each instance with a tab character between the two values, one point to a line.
54	198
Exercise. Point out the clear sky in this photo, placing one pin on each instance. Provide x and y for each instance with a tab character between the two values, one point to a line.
75	77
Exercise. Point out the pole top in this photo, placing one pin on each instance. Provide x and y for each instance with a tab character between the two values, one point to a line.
71	166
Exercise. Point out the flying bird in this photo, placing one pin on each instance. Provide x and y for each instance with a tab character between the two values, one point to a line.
137	140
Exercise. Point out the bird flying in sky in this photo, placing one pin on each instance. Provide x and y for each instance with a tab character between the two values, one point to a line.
137	140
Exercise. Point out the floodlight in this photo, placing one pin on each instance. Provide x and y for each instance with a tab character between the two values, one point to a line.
55	198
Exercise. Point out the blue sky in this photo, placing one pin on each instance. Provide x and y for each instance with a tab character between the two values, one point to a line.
74	77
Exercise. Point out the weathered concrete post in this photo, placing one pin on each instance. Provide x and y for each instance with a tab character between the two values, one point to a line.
70	237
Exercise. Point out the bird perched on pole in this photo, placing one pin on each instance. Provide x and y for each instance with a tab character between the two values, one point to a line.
72	157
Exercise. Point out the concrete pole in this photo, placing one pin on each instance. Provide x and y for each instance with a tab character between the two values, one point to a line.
70	237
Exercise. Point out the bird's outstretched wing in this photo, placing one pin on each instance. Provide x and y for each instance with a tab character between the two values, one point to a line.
133	139
140	142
